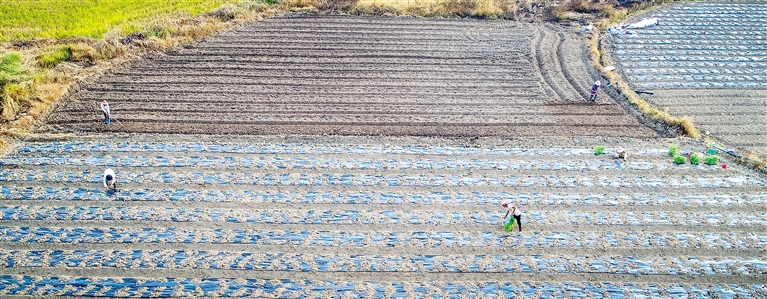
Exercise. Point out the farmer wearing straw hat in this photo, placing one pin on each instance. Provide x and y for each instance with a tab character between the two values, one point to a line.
516	213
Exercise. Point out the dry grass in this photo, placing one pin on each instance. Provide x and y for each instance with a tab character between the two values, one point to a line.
490	9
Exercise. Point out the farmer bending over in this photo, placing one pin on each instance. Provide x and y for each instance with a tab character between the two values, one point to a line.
621	154
110	179
514	211
595	90
105	109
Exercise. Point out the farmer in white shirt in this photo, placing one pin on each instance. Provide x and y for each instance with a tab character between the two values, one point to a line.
515	212
105	109
110	179
621	154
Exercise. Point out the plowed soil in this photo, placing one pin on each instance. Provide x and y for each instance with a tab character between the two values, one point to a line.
359	76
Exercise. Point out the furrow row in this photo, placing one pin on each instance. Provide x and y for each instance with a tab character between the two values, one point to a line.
321	263
285	195
402	239
131	287
309	149
381	197
307	163
178	179
755	219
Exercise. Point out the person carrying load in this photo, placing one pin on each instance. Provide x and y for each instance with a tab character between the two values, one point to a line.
516	214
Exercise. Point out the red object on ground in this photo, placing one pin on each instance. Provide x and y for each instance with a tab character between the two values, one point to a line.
724	166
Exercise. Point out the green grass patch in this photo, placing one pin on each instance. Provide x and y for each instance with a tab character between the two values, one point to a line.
695	158
59	19
599	150
680	159
711	160
673	150
53	58
11	69
11	74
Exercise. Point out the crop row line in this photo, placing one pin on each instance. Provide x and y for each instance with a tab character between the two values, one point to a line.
596	238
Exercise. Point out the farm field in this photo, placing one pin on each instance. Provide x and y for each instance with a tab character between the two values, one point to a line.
707	60
57	19
241	174
356	217
348	75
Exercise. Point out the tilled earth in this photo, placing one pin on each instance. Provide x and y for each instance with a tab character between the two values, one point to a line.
356	217
346	75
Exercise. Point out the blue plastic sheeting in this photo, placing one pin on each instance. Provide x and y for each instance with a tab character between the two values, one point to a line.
73	147
296	262
374	197
698	46
286	288
271	162
436	239
381	180
486	217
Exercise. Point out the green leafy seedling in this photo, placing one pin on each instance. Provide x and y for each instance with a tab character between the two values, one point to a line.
711	160
673	150
599	150
679	159
695	159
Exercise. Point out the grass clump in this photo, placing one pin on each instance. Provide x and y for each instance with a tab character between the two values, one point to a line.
12	74
679	159
53	58
673	150
11	69
71	52
711	160
695	158
486	9
599	150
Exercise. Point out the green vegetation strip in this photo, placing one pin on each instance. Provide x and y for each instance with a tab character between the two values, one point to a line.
60	19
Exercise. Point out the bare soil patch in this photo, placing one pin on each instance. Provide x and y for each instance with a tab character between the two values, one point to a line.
360	76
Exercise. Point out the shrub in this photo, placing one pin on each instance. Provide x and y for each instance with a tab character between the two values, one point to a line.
11	69
711	160
82	52
226	12
487	9
11	73
679	159
695	158
599	150
51	59
301	3
673	150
